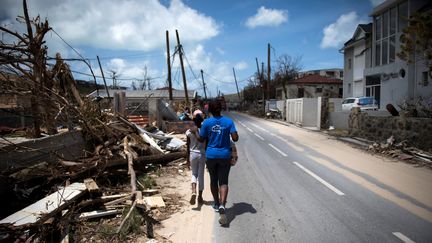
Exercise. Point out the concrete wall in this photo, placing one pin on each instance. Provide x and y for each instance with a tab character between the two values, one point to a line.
415	130
339	120
335	104
69	145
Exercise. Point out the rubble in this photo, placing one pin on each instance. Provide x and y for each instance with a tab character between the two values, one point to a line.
105	186
402	151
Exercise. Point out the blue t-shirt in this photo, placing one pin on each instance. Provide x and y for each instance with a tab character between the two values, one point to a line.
217	130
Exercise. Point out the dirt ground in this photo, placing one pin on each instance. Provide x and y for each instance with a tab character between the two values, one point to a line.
189	223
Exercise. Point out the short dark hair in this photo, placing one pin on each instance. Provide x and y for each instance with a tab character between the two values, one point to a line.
198	119
215	107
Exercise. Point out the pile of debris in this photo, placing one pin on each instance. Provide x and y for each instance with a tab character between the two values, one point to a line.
402	151
111	185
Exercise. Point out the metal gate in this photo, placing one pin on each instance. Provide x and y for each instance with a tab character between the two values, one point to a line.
294	111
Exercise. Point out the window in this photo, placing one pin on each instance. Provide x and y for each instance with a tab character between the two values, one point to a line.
341	74
331	87
385	33
300	92
425	78
349	63
348	101
318	90
403	15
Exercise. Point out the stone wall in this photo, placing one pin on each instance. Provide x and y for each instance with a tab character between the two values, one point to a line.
417	131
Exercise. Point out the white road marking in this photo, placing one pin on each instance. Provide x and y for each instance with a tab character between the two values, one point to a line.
325	183
256	134
255	125
403	238
278	150
274	135
243	124
250	130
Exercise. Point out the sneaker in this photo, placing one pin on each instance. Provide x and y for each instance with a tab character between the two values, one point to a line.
216	207
222	215
192	199
200	200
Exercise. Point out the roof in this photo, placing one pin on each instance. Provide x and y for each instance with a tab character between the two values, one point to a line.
367	28
316	79
145	93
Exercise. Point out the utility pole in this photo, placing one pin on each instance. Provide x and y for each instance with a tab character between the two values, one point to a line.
259	76
204	84
169	67
268	71
235	79
103	77
180	50
113	73
262	78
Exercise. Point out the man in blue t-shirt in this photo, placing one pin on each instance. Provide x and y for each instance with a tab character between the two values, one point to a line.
218	131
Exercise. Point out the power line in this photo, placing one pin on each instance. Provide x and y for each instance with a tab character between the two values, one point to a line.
226	82
124	79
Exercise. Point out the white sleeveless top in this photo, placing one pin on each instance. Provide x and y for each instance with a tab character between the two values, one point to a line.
195	145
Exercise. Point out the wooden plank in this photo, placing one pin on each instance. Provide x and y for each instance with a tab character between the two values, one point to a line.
150	192
99	213
91	185
46	207
115	196
154	202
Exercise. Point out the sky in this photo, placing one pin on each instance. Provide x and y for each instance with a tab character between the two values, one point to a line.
217	36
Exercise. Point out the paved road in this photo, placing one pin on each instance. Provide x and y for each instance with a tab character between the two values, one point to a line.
279	192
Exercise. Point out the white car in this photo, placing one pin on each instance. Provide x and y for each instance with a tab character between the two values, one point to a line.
365	103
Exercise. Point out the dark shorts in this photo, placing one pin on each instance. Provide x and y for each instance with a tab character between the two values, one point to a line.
219	171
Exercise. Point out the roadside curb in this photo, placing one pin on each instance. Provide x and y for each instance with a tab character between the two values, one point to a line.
359	143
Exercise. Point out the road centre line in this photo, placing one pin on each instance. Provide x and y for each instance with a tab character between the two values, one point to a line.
256	134
325	183
259	127
278	150
403	238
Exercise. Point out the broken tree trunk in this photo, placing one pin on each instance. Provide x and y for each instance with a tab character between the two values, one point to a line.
131	170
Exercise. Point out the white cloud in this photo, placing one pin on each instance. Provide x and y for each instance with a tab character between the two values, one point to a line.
267	17
112	24
220	51
341	31
376	2
241	66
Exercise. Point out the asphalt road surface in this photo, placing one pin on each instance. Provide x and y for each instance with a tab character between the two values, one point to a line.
286	188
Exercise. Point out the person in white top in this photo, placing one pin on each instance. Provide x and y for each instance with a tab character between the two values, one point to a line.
196	159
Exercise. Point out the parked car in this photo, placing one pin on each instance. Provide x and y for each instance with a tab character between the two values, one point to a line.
365	103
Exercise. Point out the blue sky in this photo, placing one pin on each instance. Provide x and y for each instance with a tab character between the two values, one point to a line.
216	35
